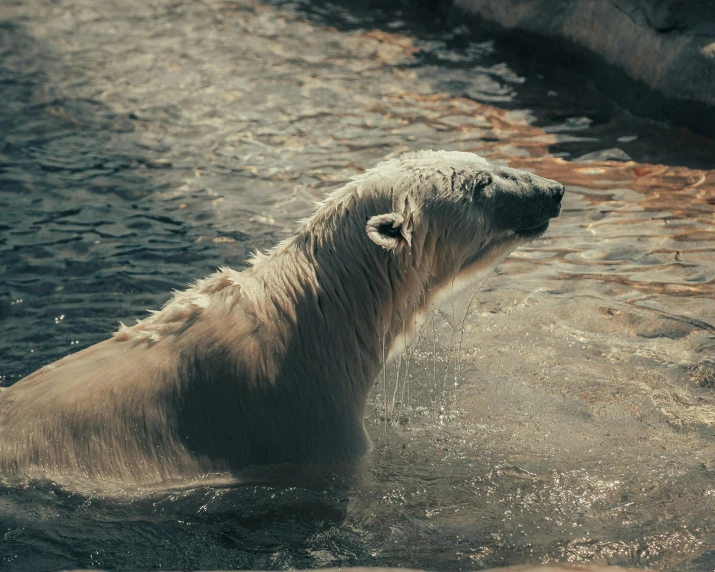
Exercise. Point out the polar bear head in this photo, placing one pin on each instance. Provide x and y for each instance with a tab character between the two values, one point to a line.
453	212
427	224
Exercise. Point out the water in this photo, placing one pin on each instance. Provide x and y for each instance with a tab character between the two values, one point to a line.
143	144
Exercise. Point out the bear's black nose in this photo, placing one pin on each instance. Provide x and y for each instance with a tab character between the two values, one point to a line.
558	192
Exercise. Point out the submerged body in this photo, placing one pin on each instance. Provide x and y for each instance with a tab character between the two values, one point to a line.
274	364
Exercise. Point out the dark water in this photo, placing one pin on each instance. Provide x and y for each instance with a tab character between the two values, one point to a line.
143	144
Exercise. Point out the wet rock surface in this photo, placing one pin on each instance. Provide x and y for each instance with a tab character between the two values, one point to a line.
666	48
565	413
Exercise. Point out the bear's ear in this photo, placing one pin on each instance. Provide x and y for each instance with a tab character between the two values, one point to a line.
389	231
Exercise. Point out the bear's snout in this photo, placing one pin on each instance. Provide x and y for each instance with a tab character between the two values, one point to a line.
546	195
555	192
524	203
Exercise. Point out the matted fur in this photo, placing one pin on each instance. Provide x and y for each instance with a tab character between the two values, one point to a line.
274	364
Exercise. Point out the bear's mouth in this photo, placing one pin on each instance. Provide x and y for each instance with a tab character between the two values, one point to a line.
533	232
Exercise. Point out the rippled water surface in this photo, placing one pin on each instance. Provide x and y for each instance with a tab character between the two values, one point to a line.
143	144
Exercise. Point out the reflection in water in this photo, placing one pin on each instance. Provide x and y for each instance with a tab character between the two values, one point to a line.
572	417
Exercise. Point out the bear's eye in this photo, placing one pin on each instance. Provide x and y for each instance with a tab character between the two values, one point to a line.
480	181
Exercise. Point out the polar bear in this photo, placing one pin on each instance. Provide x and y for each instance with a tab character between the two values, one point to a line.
274	364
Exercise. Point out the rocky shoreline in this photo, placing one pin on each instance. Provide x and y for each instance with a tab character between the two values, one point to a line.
654	57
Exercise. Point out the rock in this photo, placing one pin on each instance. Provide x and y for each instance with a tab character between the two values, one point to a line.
666	47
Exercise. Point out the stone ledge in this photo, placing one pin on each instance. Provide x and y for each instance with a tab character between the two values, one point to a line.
665	47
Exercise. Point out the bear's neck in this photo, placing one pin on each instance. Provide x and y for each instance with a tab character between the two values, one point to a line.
350	299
